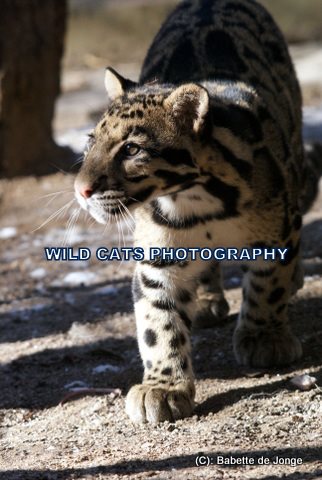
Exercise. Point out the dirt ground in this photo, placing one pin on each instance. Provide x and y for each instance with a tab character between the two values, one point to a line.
68	325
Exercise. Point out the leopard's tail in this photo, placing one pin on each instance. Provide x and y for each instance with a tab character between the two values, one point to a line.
311	175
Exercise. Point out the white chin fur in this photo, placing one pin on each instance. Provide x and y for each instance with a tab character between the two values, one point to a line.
100	217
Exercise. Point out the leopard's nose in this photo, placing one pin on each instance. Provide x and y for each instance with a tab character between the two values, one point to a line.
87	188
84	189
86	192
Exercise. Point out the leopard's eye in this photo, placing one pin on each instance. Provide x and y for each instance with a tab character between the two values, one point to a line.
90	142
131	149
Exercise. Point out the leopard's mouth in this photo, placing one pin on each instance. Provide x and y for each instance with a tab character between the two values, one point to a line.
108	207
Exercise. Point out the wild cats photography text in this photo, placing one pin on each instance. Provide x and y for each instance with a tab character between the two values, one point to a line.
165	254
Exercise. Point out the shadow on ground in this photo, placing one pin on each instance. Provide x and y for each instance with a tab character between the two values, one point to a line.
37	380
59	315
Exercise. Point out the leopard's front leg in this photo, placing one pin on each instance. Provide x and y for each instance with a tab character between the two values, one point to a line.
263	336
163	295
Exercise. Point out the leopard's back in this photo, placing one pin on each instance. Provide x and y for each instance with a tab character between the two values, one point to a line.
236	50
205	40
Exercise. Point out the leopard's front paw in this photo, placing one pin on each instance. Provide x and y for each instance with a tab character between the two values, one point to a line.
153	404
264	348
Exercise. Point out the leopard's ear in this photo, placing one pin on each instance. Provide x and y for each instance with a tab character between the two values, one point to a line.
189	105
115	84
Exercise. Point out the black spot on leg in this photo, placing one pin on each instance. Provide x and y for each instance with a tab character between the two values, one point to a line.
276	295
174	342
184	296
150	337
148	364
167	304
182	338
186	320
184	363
150	283
166	371
168	326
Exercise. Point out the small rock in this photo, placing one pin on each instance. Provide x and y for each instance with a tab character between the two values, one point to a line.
303	382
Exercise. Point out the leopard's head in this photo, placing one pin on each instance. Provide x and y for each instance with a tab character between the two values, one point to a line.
143	147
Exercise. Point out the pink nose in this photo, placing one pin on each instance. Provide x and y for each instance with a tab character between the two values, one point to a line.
85	191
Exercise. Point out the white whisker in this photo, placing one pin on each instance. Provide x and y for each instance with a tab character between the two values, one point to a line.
70	226
58	213
128	212
125	218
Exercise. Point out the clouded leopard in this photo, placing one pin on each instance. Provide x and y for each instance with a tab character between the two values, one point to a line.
205	150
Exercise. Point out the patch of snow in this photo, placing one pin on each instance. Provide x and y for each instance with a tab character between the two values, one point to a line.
79	278
105	367
38	273
8	232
